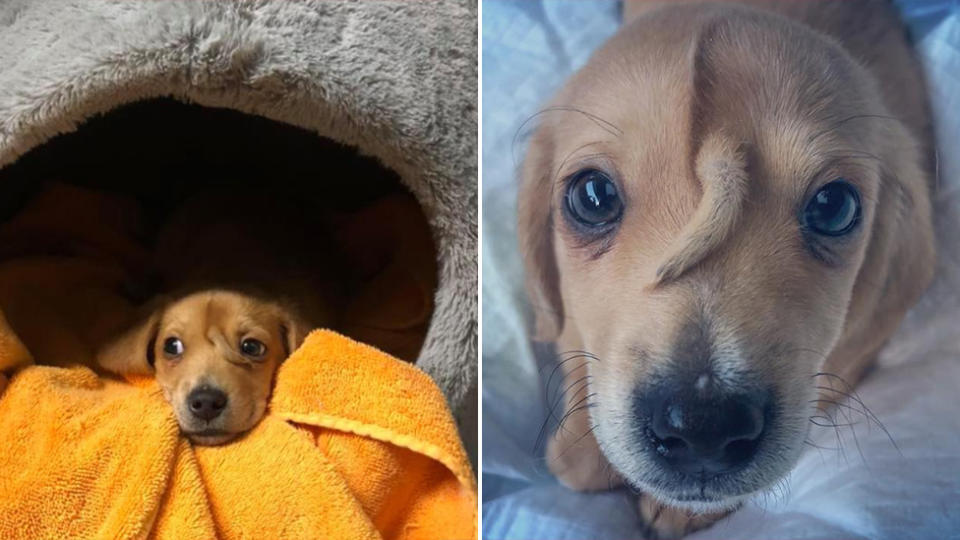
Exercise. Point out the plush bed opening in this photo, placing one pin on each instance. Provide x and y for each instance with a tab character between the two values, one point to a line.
160	152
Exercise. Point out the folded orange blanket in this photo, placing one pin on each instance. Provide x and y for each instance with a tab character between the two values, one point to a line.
356	444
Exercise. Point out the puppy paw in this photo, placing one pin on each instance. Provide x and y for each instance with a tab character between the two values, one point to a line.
576	460
663	522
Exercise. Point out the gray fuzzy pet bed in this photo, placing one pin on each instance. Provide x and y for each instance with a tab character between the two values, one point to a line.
394	81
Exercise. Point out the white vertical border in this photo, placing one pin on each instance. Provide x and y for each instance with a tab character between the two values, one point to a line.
479	471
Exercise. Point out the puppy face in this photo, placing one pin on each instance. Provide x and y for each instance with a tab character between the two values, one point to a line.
718	208
214	354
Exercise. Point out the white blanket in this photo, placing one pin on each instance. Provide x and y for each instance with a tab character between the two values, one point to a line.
873	488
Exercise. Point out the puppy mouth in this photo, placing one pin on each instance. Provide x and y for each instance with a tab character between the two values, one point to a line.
212	433
712	490
211	437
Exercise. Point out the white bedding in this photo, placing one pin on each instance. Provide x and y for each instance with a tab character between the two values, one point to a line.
871	490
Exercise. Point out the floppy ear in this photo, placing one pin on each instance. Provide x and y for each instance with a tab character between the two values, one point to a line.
294	331
899	262
131	351
535	237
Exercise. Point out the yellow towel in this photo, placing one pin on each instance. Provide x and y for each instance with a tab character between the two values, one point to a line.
356	444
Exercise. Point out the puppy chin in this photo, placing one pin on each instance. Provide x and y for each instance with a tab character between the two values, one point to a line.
701	506
713	496
213	434
211	439
207	435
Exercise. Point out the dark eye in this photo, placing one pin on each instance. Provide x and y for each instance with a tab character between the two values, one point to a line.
252	347
592	199
834	210
172	346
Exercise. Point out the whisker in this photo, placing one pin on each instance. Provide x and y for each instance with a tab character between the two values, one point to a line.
576	354
541	434
855	397
577	407
551	414
553	396
819	448
836	431
559	365
603	124
841	405
853	431
558	399
574	443
582	158
832	424
553	373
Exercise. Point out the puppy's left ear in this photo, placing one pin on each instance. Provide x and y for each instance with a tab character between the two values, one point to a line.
131	350
294	331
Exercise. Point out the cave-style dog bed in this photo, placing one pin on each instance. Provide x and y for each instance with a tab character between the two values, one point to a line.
324	101
394	81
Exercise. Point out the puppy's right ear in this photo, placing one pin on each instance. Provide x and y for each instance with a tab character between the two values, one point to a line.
131	350
535	236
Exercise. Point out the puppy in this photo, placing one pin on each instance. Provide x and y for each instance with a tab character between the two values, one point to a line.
724	214
253	276
214	354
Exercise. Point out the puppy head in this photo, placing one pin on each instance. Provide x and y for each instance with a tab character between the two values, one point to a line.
214	354
718	207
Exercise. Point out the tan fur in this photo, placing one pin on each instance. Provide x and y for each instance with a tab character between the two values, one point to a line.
236	265
211	325
662	521
717	122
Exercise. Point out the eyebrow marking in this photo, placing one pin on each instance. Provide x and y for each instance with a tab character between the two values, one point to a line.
220	343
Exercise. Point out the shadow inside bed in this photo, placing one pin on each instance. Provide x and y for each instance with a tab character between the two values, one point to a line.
160	152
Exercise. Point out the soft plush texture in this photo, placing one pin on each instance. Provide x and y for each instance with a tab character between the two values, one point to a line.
872	489
356	444
397	80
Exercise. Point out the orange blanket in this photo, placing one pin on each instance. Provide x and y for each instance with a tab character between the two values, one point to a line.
356	444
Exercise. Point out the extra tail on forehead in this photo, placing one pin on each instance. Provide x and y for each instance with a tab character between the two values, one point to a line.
718	162
216	337
721	169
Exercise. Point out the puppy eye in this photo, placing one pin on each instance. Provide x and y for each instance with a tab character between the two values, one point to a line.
252	347
592	198
834	210
172	347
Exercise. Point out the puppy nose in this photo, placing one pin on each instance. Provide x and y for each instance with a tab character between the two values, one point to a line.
706	434
207	403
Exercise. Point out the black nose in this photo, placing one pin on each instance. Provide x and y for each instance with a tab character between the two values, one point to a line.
206	402
713	433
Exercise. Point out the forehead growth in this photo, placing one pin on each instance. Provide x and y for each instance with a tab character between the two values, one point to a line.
750	95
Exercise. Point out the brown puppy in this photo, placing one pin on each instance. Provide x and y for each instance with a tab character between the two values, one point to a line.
724	205
214	353
253	276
